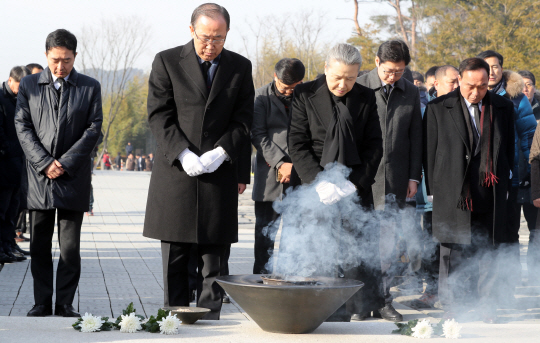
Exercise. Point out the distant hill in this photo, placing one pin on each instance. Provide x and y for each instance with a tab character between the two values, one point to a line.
106	76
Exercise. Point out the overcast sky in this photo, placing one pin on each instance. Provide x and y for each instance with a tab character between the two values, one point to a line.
26	23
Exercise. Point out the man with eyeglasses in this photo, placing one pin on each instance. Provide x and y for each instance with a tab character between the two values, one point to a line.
273	166
200	108
400	170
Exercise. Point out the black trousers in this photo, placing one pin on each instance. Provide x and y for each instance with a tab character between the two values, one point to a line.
176	258
69	265
9	205
431	256
266	227
21	221
195	282
468	272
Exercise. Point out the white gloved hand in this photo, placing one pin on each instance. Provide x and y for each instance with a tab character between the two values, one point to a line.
346	190
191	163
212	159
328	192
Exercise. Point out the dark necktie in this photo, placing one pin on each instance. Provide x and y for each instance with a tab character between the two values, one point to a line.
388	89
61	88
476	134
205	67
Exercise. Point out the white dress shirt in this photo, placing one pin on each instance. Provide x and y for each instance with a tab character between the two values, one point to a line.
56	83
471	113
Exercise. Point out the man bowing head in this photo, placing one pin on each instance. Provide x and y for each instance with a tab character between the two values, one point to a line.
200	107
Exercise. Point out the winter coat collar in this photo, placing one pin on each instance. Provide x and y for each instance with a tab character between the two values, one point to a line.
45	77
511	84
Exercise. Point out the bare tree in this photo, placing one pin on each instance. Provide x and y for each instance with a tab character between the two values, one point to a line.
108	52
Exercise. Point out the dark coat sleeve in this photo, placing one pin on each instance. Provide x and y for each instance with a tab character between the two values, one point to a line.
415	134
303	157
162	112
243	164
241	118
81	150
370	148
36	154
429	145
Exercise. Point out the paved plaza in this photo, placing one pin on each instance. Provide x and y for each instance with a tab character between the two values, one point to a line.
120	266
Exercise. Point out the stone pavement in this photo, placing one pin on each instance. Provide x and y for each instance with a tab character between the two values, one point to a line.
119	266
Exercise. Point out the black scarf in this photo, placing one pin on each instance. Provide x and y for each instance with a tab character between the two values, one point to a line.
487	175
10	92
285	100
340	140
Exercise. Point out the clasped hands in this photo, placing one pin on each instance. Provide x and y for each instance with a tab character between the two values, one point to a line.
330	193
54	170
208	163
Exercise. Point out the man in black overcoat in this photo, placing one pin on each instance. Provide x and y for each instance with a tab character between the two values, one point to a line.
468	156
200	108
11	164
335	119
58	122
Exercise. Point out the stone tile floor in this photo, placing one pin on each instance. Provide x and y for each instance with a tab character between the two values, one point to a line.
120	266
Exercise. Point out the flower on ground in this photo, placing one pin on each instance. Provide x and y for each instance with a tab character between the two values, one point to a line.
130	323
169	325
423	329
90	323
451	329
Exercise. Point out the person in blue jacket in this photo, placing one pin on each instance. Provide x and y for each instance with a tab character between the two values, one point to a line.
510	85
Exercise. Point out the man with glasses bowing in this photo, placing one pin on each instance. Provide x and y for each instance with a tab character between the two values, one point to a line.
200	108
400	171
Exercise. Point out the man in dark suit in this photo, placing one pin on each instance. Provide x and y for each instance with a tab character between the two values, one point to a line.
400	171
273	165
200	108
335	119
58	121
11	162
468	156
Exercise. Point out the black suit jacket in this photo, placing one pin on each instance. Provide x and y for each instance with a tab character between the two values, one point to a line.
447	155
310	117
182	114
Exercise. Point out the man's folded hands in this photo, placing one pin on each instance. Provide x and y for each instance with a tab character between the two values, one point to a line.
330	194
208	163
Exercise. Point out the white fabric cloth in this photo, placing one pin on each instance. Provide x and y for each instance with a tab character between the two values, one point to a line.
191	163
330	194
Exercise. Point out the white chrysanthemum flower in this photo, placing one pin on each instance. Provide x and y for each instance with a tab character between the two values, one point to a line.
91	323
130	323
422	329
169	325
451	329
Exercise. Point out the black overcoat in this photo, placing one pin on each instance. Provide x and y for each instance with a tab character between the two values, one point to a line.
447	152
65	129
401	125
181	114
311	114
11	154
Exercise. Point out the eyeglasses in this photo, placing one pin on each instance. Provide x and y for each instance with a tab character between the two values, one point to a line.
210	41
395	73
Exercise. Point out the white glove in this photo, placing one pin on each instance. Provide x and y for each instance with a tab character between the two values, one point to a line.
212	159
346	190
191	163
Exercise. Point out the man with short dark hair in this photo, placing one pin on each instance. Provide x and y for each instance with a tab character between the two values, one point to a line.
200	109
400	171
419	82
34	68
530	91
430	78
57	138
273	165
129	149
12	159
446	81
468	155
510	85
418	79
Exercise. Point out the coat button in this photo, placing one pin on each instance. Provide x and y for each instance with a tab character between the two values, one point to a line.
205	134
467	157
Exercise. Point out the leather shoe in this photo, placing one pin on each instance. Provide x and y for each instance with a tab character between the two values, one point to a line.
226	299
40	311
388	313
6	258
19	249
65	311
18	257
360	316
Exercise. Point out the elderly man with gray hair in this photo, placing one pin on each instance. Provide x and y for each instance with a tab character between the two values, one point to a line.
334	119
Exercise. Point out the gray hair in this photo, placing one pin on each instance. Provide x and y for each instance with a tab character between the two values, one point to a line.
344	53
210	10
